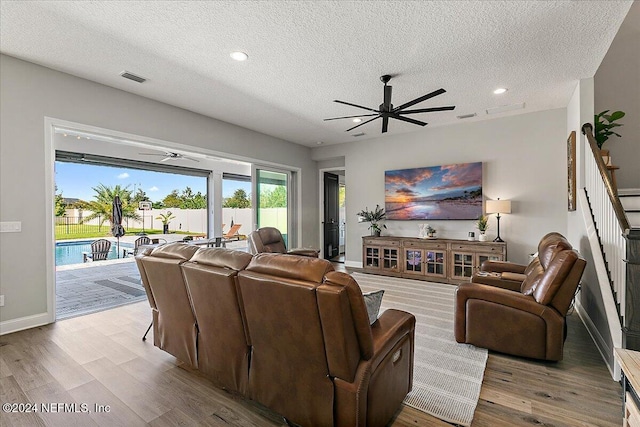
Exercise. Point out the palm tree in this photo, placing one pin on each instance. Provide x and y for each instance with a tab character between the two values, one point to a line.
102	205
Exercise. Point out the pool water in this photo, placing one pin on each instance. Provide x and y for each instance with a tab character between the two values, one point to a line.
71	252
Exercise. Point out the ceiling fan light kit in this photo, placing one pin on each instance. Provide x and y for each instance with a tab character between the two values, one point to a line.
387	111
168	155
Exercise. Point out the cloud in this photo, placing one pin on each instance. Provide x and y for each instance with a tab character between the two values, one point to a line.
123	175
460	176
406	192
154	188
410	177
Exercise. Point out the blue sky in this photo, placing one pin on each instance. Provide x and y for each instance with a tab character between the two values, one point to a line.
75	180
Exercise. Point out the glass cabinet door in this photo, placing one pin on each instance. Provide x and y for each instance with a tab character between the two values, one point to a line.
413	260
372	257
390	259
462	265
435	262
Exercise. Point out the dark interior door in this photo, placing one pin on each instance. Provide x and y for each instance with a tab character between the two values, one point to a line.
331	216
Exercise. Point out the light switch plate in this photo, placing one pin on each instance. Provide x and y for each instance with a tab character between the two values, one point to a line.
10	226
1	300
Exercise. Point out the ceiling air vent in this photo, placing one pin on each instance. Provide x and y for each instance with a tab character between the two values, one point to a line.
358	134
131	76
467	116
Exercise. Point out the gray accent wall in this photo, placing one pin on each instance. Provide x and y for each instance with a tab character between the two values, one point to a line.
524	160
617	87
29	93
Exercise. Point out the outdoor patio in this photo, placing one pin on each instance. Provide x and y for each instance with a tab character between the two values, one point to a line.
101	285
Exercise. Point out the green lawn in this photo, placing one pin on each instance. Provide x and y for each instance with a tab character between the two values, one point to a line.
83	231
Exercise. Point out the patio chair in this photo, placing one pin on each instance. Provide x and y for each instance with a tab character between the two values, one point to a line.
99	251
233	232
144	240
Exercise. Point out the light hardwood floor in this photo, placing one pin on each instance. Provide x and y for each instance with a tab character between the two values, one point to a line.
101	359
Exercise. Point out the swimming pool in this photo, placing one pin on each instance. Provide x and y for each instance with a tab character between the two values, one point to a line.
71	252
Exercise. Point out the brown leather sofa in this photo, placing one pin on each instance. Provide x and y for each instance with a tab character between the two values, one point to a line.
286	331
223	350
520	309
174	324
269	239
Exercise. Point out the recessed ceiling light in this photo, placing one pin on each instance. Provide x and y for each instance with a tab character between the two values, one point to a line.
239	56
500	91
357	120
320	142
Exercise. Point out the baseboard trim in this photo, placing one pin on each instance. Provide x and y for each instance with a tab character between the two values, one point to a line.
605	351
353	264
22	323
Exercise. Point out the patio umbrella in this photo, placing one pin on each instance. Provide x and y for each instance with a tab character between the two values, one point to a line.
116	226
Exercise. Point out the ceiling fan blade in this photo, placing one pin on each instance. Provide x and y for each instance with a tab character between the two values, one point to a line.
418	100
426	110
350	117
387	98
166	159
356	105
407	119
363	123
190	158
151	154
385	124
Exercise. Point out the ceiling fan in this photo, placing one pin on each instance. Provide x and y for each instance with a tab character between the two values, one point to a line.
386	110
170	156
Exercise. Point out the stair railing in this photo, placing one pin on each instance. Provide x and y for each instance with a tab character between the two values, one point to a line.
609	215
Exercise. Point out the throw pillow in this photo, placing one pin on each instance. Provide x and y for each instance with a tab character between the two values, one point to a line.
373	300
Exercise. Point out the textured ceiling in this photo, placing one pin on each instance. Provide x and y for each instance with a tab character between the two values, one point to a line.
302	55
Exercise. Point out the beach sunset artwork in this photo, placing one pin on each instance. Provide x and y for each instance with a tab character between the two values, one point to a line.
436	192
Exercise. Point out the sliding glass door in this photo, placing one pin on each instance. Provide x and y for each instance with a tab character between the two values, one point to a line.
272	199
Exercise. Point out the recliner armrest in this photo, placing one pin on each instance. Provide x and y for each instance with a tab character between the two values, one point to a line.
506	280
501	296
502	266
387	331
310	252
360	400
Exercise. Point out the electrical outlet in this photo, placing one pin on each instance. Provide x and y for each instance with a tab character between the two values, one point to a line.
1	300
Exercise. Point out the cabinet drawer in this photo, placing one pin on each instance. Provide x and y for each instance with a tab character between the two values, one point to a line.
476	248
379	242
424	245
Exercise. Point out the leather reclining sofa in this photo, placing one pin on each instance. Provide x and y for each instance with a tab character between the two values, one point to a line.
283	330
521	309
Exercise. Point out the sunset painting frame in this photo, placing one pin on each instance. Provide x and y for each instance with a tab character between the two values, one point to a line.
434	192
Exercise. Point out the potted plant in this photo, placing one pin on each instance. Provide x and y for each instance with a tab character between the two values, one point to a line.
374	217
604	123
165	218
431	232
482	224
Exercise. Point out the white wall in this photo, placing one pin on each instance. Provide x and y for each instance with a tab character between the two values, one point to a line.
524	160
589	300
617	87
28	94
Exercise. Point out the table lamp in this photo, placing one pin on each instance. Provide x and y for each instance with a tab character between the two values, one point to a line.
498	207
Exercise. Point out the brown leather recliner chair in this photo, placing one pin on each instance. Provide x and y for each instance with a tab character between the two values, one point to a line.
315	358
174	324
269	239
520	310
223	350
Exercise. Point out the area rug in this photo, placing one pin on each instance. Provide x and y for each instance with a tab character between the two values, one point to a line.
447	376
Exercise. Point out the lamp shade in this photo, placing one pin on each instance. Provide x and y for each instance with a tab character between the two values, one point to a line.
498	206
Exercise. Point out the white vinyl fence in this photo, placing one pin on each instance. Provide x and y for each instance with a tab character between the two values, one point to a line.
186	220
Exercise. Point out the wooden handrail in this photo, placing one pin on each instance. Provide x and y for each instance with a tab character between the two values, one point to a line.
587	130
